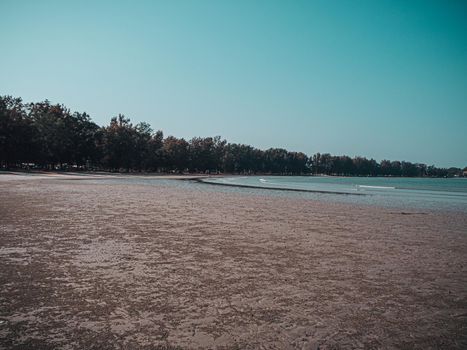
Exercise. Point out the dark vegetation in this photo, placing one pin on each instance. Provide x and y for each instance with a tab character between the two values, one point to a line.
47	136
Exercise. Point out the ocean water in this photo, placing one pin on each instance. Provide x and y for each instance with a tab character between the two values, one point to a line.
410	193
401	193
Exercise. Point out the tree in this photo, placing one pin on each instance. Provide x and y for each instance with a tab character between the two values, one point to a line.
54	126
119	144
206	153
176	154
342	165
50	135
18	135
297	163
142	134
155	156
276	160
85	138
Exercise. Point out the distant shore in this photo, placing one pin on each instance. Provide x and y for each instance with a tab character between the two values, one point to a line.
191	175
98	175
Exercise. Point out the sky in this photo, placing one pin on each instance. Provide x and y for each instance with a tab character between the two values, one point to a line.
381	79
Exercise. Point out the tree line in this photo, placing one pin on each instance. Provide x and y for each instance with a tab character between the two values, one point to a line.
49	136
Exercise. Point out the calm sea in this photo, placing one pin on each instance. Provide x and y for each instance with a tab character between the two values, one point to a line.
424	193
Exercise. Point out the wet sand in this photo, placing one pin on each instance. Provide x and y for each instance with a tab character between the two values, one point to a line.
89	265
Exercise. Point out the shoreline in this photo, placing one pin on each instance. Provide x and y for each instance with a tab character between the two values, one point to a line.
363	198
200	180
94	176
196	175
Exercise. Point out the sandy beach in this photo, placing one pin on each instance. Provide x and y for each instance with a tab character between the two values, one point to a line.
91	265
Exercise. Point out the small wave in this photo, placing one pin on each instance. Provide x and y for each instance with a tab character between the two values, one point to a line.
263	180
377	187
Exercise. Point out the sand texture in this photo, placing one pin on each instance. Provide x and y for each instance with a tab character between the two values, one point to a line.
89	265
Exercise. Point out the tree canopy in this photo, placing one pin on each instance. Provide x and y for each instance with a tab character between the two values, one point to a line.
49	136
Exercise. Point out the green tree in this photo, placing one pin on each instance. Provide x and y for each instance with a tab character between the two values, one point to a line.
155	155
176	154
18	136
54	126
119	144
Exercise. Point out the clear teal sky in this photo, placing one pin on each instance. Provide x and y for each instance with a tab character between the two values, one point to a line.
383	79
